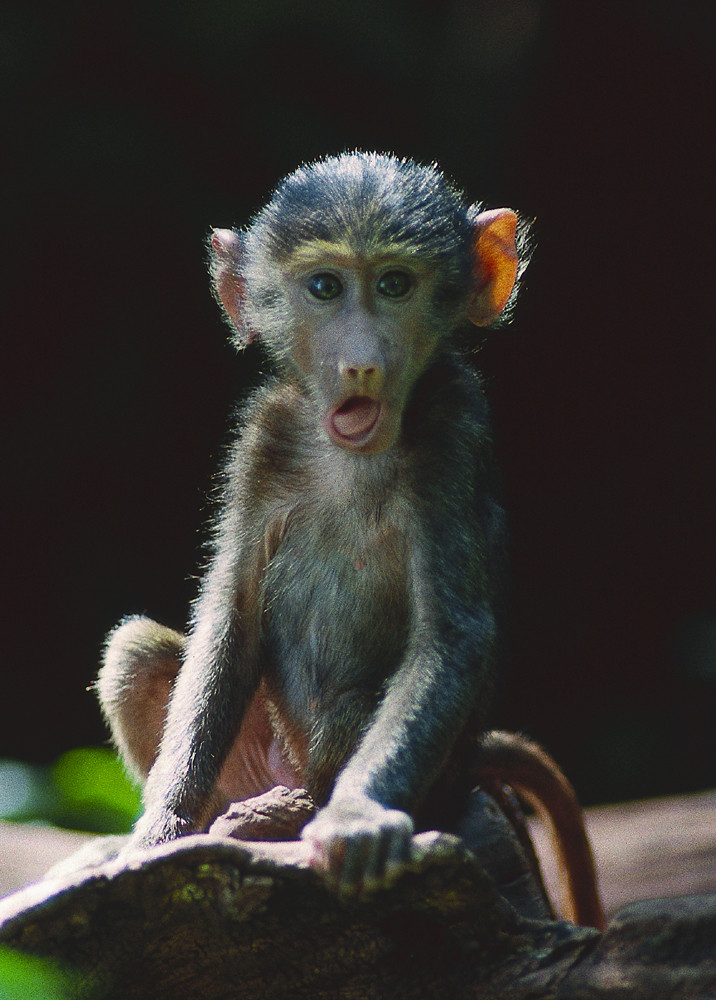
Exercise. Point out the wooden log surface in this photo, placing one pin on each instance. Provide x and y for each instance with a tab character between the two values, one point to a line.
644	850
207	916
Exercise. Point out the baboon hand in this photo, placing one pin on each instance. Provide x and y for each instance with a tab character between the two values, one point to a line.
358	844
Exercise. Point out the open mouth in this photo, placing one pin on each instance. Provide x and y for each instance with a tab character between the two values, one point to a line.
355	420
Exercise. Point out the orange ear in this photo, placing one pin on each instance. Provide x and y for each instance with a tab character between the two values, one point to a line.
495	263
226	253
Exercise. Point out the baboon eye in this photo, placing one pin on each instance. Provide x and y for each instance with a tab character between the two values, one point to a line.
394	284
325	286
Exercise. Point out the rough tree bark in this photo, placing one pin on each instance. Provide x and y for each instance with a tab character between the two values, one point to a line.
211	917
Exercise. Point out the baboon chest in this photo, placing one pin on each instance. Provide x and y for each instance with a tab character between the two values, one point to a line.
335	610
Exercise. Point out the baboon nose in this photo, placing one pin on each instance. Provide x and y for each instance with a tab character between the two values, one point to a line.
367	378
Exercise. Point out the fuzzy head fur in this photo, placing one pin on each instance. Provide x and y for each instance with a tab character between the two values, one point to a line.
359	204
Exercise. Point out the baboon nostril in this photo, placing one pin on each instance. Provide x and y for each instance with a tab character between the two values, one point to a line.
358	371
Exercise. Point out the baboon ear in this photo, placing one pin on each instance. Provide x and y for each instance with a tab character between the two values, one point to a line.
226	257
495	263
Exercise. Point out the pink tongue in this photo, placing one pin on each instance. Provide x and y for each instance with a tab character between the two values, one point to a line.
356	416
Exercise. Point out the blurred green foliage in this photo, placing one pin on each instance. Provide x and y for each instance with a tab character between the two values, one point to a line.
24	977
86	789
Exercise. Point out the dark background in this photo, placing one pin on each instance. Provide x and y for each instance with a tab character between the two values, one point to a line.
129	129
